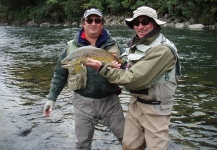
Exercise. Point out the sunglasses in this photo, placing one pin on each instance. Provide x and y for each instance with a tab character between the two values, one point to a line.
90	20
143	22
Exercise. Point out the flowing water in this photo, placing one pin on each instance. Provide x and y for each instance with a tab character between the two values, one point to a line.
28	56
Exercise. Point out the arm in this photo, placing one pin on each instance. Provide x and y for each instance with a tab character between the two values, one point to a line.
59	79
58	82
157	61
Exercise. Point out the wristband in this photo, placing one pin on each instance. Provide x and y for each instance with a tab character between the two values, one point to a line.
101	67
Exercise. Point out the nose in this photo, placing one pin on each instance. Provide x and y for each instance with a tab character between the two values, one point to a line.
93	22
140	25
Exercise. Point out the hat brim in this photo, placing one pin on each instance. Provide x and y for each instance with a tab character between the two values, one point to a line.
129	22
93	13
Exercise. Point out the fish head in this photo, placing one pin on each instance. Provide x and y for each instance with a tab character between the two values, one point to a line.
67	62
76	63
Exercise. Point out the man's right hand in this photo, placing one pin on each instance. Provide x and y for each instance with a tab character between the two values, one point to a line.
95	64
48	107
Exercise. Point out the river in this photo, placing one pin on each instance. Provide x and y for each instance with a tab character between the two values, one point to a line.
28	56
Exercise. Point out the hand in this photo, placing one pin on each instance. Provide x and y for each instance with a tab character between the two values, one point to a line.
115	64
48	107
93	63
97	64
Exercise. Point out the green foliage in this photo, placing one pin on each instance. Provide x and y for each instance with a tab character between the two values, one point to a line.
59	11
114	7
129	4
74	9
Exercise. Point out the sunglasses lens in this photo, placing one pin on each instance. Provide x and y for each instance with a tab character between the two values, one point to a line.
143	22
90	20
98	20
136	23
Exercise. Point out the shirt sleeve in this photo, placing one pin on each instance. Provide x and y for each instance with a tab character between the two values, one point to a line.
59	79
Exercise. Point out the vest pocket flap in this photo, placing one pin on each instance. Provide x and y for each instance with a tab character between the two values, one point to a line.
143	48
75	82
135	56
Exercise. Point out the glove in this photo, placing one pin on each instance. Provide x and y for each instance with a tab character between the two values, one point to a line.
48	107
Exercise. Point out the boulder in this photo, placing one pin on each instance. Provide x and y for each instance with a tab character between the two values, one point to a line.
196	26
45	24
179	25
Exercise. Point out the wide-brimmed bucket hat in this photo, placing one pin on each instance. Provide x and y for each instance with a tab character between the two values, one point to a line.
144	11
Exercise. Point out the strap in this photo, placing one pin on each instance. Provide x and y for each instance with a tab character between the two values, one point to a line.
150	102
143	91
70	47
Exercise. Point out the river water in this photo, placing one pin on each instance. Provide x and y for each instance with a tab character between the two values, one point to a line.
28	56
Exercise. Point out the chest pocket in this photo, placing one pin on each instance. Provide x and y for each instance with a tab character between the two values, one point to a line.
77	81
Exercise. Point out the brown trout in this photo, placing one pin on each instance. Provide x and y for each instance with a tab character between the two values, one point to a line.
79	56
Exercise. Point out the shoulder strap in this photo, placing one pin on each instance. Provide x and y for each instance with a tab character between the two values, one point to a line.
70	47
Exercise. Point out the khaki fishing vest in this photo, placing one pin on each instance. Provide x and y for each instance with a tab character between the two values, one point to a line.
163	88
141	52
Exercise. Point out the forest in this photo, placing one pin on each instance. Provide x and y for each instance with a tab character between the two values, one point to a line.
60	11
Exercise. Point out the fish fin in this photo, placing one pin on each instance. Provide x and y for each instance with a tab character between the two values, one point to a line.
78	68
120	61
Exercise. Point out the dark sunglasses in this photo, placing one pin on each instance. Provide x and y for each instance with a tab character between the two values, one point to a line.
143	22
90	20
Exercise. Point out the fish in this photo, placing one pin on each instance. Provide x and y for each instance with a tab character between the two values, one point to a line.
80	56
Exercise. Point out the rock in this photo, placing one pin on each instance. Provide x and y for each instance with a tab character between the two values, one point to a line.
56	116
24	131
169	25
179	25
196	26
187	24
45	24
67	24
58	25
31	23
74	24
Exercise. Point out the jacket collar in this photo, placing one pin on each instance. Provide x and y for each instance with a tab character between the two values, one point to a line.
101	39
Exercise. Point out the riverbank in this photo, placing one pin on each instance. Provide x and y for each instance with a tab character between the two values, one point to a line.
119	21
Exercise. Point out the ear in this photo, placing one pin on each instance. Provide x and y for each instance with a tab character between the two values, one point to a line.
101	26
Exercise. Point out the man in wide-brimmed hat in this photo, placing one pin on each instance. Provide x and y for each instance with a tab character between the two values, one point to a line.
151	78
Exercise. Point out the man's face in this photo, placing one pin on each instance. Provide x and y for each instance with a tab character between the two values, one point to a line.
142	26
93	26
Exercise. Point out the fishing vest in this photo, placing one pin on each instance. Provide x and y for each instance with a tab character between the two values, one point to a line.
78	81
141	50
75	81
